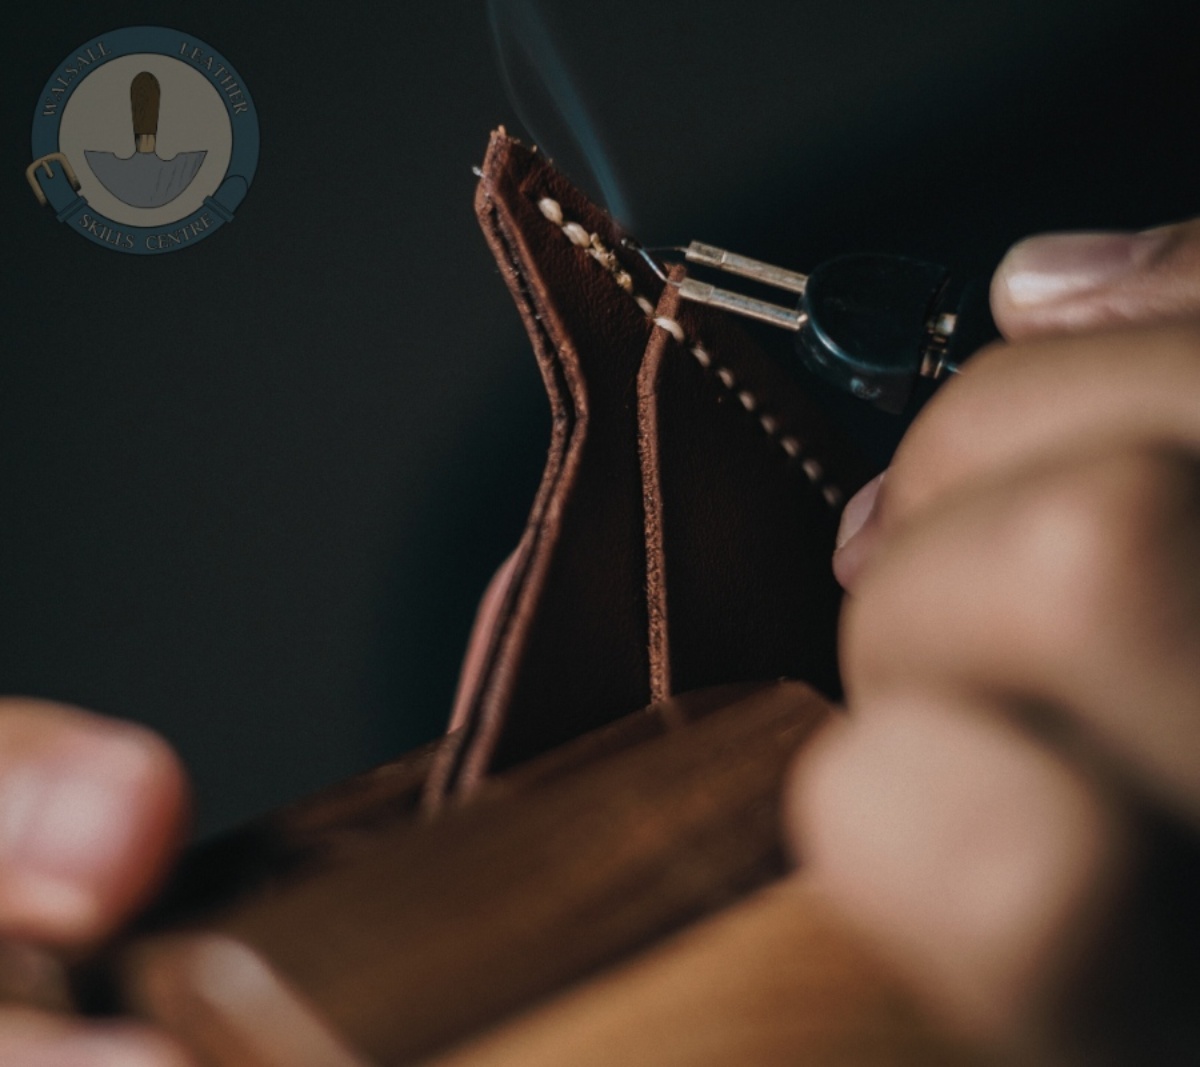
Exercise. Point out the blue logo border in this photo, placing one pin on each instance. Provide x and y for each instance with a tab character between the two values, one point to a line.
217	210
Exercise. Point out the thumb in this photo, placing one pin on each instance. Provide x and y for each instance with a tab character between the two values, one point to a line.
1063	282
91	813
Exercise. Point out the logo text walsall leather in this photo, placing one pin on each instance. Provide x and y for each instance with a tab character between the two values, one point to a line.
145	140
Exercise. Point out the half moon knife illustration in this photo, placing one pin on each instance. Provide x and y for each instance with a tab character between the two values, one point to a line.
144	180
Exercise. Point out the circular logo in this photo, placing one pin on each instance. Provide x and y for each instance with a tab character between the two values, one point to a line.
145	140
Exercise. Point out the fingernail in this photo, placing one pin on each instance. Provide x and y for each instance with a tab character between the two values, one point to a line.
853	536
64	823
1059	266
858	510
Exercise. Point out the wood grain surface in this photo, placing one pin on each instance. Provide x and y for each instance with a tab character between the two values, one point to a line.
405	935
775	981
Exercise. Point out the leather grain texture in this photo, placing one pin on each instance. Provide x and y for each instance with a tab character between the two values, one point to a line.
743	483
571	633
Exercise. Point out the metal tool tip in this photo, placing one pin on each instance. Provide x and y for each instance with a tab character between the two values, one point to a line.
632	245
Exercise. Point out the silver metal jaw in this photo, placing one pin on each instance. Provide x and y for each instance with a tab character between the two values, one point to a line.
871	324
745	267
705	255
740	304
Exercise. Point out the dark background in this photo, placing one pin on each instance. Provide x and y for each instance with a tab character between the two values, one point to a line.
251	490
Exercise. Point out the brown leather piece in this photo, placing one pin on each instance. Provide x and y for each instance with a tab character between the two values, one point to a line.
658	479
741	531
568	652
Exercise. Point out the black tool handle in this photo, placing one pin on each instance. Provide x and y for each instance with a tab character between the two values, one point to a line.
874	323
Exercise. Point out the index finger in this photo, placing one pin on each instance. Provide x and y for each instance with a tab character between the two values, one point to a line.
1016	403
1068	282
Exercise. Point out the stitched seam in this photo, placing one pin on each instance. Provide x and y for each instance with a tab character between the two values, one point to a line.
579	236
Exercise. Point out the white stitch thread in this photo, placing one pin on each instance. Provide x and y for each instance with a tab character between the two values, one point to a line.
552	209
596	248
577	234
671	326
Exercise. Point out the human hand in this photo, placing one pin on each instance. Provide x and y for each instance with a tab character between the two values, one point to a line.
91	813
1012	806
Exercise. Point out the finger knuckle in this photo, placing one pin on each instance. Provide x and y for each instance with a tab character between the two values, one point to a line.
1104	543
1184	335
